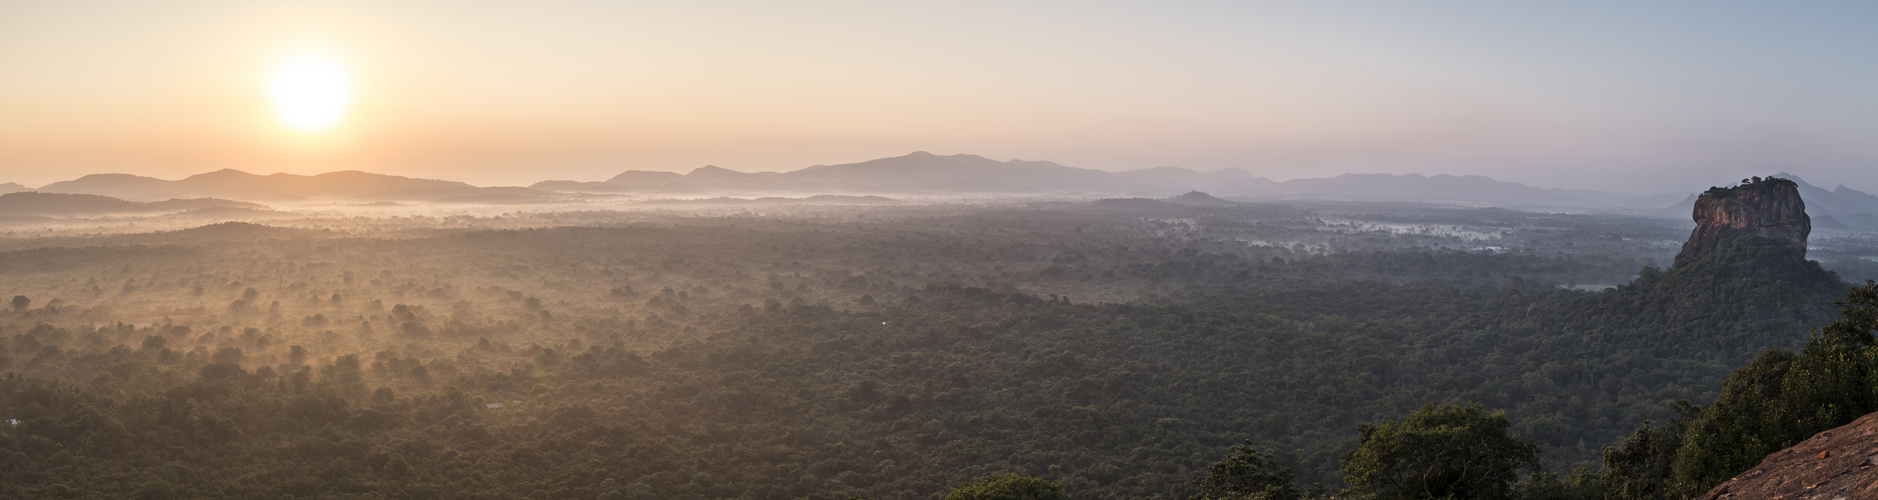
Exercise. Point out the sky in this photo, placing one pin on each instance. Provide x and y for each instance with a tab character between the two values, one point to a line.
1641	97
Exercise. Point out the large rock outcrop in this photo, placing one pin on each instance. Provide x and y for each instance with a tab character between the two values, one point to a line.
1764	207
1838	464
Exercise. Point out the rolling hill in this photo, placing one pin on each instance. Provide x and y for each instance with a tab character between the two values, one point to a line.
348	185
32	203
926	173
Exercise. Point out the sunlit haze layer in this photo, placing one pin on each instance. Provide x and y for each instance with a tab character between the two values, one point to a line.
1571	94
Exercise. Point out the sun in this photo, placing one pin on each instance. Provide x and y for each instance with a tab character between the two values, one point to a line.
310	91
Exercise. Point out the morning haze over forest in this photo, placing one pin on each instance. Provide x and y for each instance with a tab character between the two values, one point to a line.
960	251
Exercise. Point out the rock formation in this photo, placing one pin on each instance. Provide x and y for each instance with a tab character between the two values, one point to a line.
1841	463
1765	207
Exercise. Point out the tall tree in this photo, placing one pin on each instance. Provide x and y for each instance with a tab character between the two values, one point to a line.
1460	452
1246	473
1008	487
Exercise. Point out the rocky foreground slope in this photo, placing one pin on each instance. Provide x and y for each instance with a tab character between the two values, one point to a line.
1838	464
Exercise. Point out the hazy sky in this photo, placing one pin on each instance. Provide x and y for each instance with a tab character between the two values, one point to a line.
1626	96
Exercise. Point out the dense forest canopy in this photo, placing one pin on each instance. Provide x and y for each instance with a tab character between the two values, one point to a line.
1114	349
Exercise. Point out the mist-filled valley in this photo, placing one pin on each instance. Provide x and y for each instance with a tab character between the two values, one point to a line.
841	347
837	250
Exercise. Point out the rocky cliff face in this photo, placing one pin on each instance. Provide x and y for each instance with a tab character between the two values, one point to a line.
1841	463
1765	207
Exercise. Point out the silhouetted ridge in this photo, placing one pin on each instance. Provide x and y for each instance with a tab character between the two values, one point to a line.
1199	198
228	183
1841	208
33	203
825	199
237	228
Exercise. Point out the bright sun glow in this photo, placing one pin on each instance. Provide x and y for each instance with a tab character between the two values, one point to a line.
310	92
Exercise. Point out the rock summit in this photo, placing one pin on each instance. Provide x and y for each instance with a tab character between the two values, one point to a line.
1767	207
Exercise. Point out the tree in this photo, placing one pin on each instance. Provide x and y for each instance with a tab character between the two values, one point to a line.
20	302
1641	466
1442	451
1780	399
1858	317
415	329
1008	487
156	489
1246	473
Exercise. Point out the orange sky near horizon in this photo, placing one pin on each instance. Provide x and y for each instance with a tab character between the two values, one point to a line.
503	93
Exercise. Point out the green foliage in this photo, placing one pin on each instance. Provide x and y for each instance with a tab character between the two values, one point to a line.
749	365
1771	403
1641	465
1008	487
1442	451
1747	422
1581	484
1858	318
1245	474
1781	399
962	382
1756	183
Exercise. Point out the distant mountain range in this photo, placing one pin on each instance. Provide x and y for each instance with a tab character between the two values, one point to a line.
927	173
347	185
820	199
1472	189
916	173
923	173
1840	208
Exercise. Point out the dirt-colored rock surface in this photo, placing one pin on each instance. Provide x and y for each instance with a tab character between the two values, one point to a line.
1839	464
1769	207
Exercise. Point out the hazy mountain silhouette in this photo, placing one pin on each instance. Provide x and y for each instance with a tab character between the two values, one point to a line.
32	203
919	172
922	172
235	184
1177	175
923	168
227	213
641	177
12	187
927	173
1841	206
820	199
631	183
1436	188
